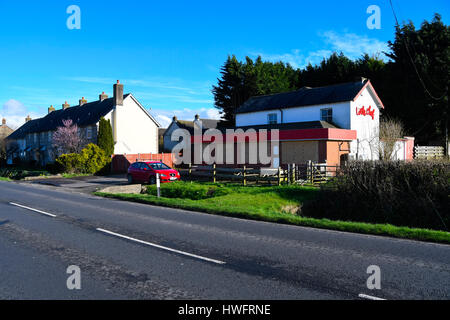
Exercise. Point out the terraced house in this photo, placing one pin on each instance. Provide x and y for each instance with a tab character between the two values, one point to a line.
135	130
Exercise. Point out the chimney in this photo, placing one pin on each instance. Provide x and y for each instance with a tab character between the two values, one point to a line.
103	96
197	117
3	122
362	79
174	119
28	118
65	105
51	109
82	101
118	93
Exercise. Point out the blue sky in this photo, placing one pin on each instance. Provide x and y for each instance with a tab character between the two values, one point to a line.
169	54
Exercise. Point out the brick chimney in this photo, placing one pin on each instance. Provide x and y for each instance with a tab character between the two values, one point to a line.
103	96
118	93
51	109
82	101
28	118
65	105
3	122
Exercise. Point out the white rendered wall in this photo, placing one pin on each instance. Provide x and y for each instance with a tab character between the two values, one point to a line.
366	147
341	115
135	132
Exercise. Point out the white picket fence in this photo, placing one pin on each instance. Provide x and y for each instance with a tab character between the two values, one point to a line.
428	152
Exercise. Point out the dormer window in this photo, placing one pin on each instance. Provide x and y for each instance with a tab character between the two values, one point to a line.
326	115
272	118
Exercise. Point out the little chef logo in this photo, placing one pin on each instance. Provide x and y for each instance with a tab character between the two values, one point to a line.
365	112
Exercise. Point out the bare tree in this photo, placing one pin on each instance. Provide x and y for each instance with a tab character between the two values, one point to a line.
66	139
391	131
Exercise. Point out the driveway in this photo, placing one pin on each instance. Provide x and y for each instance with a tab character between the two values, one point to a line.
85	184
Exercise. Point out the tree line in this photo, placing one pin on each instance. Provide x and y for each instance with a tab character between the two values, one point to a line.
412	80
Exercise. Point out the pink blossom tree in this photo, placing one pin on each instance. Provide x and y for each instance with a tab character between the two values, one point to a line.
66	138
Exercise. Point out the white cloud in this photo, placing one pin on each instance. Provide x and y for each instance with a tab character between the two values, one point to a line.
351	44
15	112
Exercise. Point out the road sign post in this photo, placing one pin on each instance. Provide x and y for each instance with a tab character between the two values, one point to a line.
158	186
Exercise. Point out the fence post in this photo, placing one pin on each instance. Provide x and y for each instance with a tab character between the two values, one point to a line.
245	176
190	171
214	173
279	176
293	173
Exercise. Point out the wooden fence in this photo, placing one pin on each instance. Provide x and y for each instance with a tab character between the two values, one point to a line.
309	173
428	152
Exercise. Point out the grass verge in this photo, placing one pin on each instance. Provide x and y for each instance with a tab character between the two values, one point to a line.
264	207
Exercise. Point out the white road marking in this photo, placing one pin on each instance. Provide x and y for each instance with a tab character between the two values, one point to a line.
32	209
160	247
365	296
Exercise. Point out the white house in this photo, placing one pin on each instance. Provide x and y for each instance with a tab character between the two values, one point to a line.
135	130
350	112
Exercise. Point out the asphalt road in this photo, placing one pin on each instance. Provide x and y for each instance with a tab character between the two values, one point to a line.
134	251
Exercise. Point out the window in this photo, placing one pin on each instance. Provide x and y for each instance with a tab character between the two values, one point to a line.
272	118
35	137
159	166
49	136
89	133
326	115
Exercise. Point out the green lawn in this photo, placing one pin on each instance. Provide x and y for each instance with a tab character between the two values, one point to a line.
272	204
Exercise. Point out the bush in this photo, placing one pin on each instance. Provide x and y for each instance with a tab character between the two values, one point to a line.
91	160
186	190
414	194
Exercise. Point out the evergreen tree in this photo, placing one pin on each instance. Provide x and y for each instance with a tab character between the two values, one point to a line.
105	138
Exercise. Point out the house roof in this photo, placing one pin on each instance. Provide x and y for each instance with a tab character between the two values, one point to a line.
307	96
189	125
87	114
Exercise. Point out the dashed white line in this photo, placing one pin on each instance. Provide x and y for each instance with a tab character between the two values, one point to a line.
365	296
160	247
32	209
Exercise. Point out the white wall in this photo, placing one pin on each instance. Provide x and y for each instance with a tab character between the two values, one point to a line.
134	131
366	147
341	116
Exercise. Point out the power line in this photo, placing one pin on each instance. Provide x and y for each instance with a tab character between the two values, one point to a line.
412	60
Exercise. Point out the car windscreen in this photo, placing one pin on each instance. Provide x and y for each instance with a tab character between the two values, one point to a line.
159	166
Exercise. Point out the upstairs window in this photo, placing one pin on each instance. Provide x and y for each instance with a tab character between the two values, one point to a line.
326	115
272	118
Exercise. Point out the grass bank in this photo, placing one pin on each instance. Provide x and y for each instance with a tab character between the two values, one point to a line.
271	204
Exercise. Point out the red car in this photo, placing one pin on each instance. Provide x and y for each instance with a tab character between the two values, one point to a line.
145	172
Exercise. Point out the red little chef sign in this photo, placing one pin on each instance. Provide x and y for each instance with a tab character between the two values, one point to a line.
365	112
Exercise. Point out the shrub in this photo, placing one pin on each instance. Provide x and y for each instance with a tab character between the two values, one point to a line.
414	194
91	159
69	162
186	190
105	138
